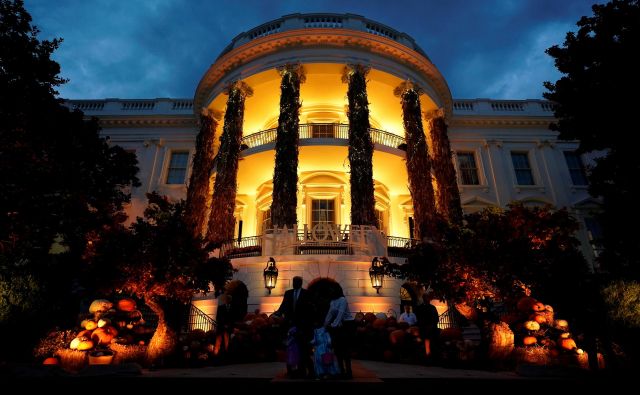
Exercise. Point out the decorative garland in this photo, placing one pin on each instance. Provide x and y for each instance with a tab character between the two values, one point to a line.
285	174
448	195
418	162
199	192
221	220
360	147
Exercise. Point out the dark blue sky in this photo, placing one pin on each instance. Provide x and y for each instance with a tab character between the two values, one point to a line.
161	48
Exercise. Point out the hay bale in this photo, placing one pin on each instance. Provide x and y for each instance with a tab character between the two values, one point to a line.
501	341
72	360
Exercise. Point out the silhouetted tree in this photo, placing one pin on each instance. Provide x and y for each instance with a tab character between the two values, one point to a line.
600	70
61	184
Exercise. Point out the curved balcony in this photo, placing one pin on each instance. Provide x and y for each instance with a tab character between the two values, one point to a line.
323	131
253	246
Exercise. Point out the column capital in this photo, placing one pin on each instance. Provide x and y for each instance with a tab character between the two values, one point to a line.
243	87
437	113
405	86
210	113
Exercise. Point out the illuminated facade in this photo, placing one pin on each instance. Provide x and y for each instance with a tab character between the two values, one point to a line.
502	151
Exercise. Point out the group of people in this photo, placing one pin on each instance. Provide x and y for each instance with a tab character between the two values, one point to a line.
329	340
323	348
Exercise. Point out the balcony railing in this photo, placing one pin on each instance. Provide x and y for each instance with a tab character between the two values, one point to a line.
252	246
399	247
323	131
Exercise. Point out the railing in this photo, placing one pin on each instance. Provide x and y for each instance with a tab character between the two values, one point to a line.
88	105
322	131
507	106
450	319
399	247
197	319
325	21
242	248
138	105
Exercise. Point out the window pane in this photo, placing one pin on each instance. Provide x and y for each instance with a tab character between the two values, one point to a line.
177	168
468	168
322	211
576	168
522	168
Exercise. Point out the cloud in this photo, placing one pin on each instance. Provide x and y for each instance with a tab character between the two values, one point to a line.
161	48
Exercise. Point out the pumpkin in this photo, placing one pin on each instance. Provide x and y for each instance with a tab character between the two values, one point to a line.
397	337
126	305
51	361
90	325
526	304
85	345
529	340
76	342
539	318
538	307
100	305
568	344
379	323
103	322
104	335
531	326
579	351
85	333
548	308
565	335
414	331
561	324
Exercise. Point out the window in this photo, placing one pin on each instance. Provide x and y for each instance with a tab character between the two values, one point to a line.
322	211
177	171
576	168
266	220
594	231
319	130
380	219
522	168
468	168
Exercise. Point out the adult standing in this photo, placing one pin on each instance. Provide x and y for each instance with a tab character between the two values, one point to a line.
340	324
428	318
296	310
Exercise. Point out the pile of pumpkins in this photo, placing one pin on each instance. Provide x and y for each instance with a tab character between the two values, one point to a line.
106	324
534	325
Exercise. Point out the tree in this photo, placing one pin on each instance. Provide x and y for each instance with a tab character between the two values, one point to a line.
285	173
501	254
360	147
418	162
221	220
61	184
158	259
600	70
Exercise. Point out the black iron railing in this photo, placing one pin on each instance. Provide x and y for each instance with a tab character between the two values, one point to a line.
451	319
323	131
197	319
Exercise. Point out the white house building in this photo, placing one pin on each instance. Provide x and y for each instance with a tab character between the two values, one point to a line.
503	151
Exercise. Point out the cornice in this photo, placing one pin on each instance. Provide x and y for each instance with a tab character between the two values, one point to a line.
321	37
144	122
501	121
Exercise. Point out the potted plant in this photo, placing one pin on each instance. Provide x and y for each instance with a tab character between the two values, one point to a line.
101	356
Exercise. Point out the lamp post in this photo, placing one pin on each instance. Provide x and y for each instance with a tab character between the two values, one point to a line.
270	275
376	273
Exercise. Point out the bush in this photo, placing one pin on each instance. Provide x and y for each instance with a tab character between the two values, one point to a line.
623	298
54	341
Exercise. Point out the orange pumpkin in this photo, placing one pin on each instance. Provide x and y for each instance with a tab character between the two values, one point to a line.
127	305
568	344
561	324
379	323
51	361
548	308
104	335
526	304
538	306
85	333
529	340
539	318
397	337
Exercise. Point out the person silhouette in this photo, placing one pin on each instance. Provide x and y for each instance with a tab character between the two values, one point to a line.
295	310
341	326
